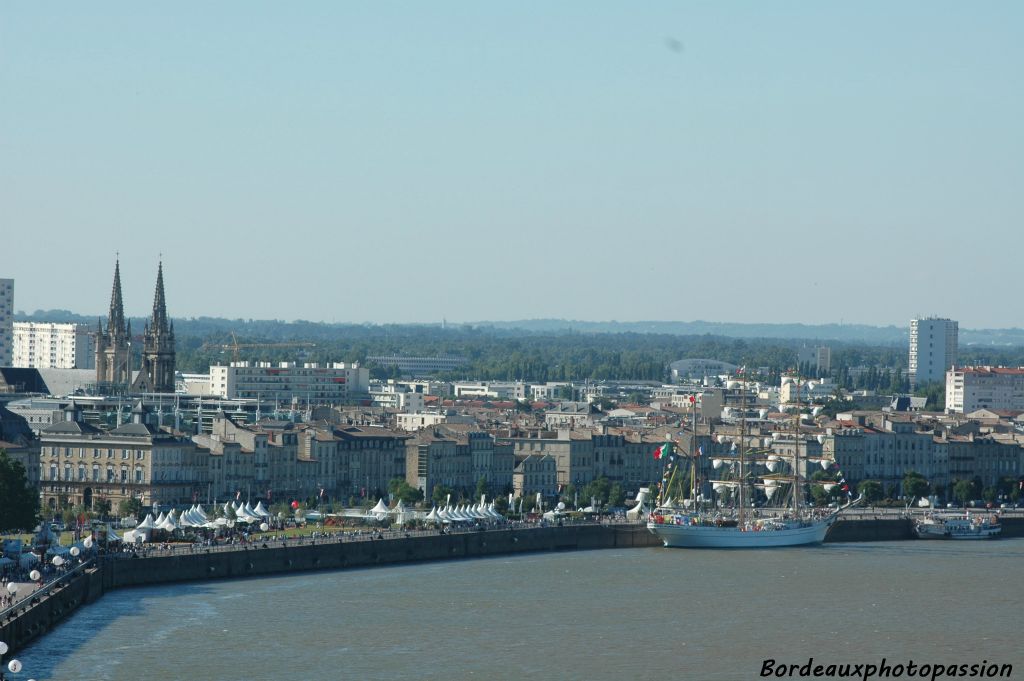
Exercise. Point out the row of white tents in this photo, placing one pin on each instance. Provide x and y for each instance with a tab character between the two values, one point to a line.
196	518
464	514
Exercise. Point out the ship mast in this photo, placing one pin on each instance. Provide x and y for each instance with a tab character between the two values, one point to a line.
796	450
740	517
693	457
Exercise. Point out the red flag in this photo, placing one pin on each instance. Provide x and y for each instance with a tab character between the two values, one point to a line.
657	453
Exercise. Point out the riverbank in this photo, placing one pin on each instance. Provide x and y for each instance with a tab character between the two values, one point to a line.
91	580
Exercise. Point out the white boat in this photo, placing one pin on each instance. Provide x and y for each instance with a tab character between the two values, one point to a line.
957	527
691	527
692	530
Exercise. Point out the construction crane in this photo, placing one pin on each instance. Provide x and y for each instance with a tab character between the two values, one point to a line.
235	346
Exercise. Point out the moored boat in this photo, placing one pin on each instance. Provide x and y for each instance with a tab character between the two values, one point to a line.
750	468
959	526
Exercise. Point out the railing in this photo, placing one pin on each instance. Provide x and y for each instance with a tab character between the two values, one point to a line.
57	581
156	550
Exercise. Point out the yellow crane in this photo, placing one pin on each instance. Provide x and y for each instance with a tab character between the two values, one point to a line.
235	346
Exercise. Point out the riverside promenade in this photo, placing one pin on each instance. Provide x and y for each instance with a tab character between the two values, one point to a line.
158	564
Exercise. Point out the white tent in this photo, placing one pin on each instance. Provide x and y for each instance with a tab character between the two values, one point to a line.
433	517
159	520
399	507
169	524
147	523
136	536
261	511
380	509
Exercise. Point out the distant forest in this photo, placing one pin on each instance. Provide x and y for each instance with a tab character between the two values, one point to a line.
548	352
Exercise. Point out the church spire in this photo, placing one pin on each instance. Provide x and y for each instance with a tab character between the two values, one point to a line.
159	324
115	320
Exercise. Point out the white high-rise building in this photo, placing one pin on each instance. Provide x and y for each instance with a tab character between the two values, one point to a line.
6	321
933	344
46	345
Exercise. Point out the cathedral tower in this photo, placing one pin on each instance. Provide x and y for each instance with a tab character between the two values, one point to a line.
112	358
157	374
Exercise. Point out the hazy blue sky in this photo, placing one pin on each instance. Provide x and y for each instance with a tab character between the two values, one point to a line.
375	161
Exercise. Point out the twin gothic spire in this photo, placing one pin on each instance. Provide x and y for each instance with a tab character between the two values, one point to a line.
113	356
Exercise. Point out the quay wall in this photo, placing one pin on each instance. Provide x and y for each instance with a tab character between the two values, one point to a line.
331	555
873	529
45	611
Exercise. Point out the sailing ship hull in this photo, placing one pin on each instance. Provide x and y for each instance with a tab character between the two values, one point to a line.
703	536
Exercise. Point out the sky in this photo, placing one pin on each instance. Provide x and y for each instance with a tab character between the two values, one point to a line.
412	162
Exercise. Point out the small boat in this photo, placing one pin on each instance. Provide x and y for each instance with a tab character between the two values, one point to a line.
957	527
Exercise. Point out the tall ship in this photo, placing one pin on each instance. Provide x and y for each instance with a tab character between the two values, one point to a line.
751	473
957	526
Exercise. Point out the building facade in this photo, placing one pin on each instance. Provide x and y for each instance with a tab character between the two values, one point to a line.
81	464
419	366
933	348
335	383
47	345
996	388
6	322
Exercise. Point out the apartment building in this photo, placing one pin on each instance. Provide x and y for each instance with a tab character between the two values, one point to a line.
995	388
46	345
933	349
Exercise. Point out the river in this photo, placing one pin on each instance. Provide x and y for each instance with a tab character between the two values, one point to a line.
613	614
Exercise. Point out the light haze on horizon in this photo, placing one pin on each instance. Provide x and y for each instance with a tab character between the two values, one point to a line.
408	162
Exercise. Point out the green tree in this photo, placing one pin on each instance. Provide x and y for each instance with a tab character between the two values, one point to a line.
616	495
102	507
871	490
989	494
964	491
440	494
481	487
400	489
569	494
914	485
130	507
19	503
598	490
936	394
